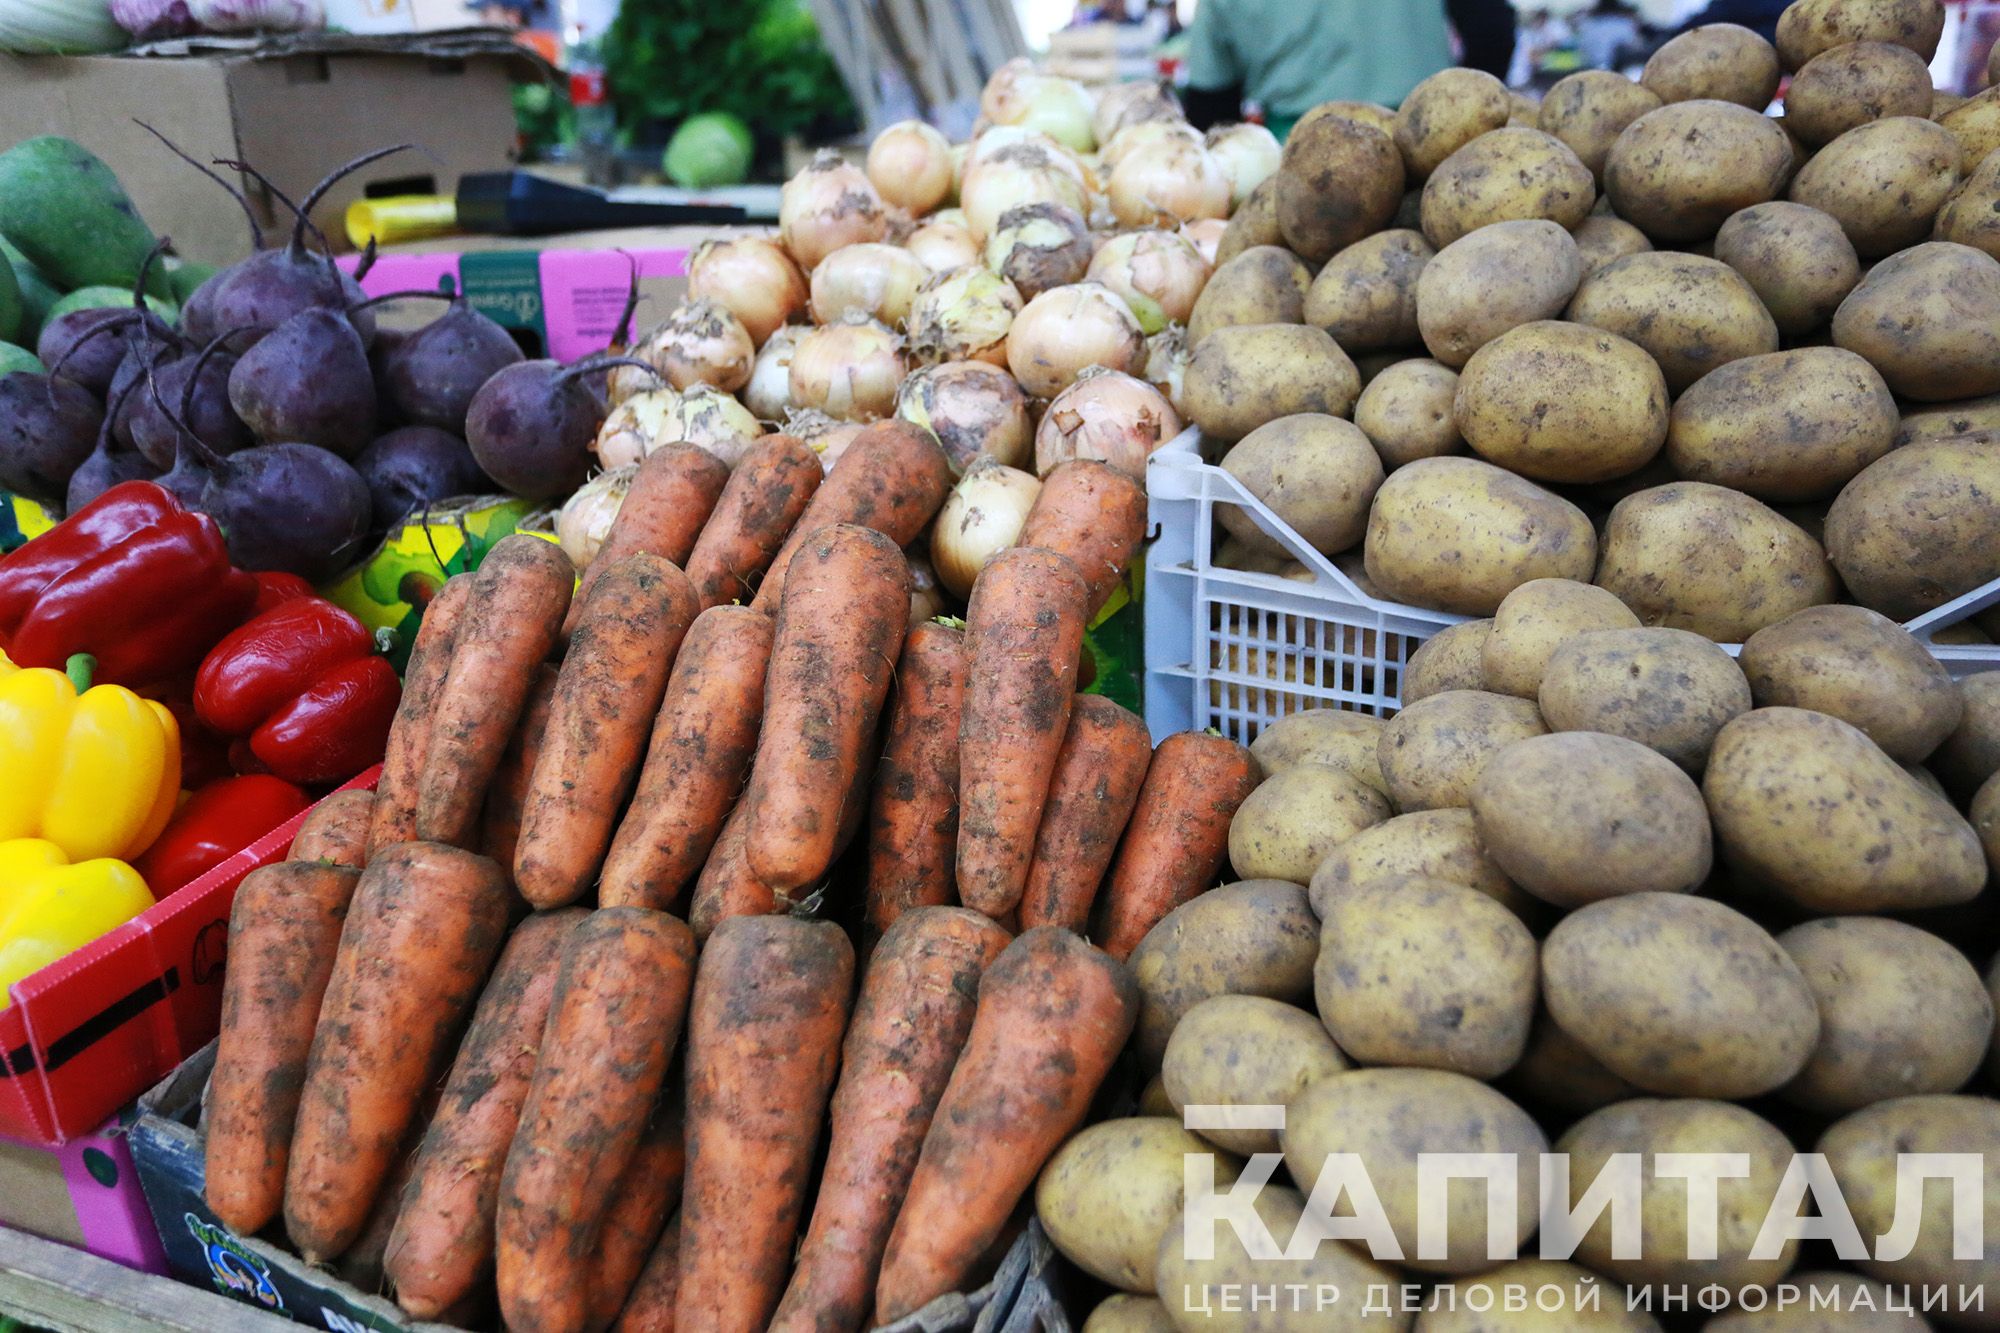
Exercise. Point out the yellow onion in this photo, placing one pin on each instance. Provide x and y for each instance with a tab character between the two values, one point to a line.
753	278
1247	153
974	408
849	371
909	164
1039	246
715	421
953	217
636	426
626	381
1167	182
699	343
829	204
1000	86
963	315
586	517
1110	417
992	143
1058	107
1011	178
1158	273
981	518
1144	134
1125	104
870	279
825	436
1167	357
943	246
1205	235
1067	330
926	598
768	395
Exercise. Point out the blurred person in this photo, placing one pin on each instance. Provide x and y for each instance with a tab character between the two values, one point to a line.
1760	16
1487	31
1605	33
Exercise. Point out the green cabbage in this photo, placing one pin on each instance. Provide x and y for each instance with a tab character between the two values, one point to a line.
709	150
59	27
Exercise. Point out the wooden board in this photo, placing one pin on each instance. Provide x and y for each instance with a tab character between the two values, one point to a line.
50	1285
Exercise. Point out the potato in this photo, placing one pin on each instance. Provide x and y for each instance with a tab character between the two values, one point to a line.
1577	817
1972	416
1785	427
1647	1128
1975	124
1534	620
1860	667
1972	215
1725	62
1676	173
1451	659
1505	176
1807	806
1406	412
1421	972
1599	240
1929	320
1864	1150
1338	181
1107	1195
1266	284
1668	689
1245	1050
1557	1303
1433	752
1679	995
1919	528
1446	112
1153	1099
1557	1072
1588	110
1316	472
1332	736
1254	224
1366	296
1865	1306
1126	1313
1372	114
1286	827
1388	1118
1563	402
1424	844
1883	182
1240	378
1797	259
1257	937
1971	754
1496	279
1459	534
1809	27
1854	84
1901	1012
1688	313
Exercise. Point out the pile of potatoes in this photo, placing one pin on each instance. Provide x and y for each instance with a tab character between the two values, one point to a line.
1599	887
1725	365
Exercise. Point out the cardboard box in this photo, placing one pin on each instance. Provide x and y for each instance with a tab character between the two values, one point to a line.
295	108
85	1193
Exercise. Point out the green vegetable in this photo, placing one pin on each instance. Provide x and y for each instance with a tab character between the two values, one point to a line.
94	298
65	210
14	358
185	276
13	310
709	150
59	27
37	292
760	60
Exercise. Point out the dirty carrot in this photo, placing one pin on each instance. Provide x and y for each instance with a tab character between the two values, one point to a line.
1098	774
336	831
726	886
361	1265
646	1194
766	494
395	814
1095	515
671	497
650	1307
507	794
913	817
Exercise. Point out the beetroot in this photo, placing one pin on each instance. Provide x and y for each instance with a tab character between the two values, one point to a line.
414	467
86	345
198	382
308	382
293	507
431	375
531	427
106	467
48	428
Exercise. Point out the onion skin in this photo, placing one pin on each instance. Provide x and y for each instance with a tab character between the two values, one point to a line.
586	517
829	204
1011	178
910	166
768	395
1166	183
1248	155
636	427
1112	418
1159	274
872	279
943	246
849	371
712	420
974	409
1040	246
980	518
1067	330
964	315
754	279
700	343
1205	235
1127	104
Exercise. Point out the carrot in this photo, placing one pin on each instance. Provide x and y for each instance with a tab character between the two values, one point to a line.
770	1004
284	930
892	479
1098	773
832	656
766	494
646	1194
910	1021
662	514
650	1307
421	935
361	1265
508	627
703	741
609	688
726	887
395	815
1053	1014
336	830
507	794
1095	515
913	818
621	993
1024	629
442	1245
1178	837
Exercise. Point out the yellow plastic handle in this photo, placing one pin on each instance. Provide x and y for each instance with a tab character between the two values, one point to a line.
402	217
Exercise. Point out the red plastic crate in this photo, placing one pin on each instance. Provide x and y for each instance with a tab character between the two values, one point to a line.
91	1031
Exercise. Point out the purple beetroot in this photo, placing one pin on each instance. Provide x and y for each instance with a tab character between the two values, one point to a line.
48	429
308	382
432	373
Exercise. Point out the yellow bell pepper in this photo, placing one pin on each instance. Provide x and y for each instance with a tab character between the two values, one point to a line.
50	908
93	769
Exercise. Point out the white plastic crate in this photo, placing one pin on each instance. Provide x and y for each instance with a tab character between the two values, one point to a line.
1234	651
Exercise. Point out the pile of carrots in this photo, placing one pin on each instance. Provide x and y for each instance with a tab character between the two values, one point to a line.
842	869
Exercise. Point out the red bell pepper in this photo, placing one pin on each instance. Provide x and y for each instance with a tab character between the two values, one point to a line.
135	579
214	824
304	683
275	586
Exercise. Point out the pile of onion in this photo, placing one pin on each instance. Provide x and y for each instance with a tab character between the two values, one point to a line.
871	279
768	395
586	517
699	343
999	91
1125	104
1159	273
829	204
910	166
964	315
1166	182
1014	176
1058	107
1110	417
981	518
712	420
974	408
1067	330
942	246
1039	246
1144	134
753	278
822	434
849	371
1247	154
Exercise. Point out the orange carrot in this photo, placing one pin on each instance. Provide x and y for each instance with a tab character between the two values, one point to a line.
361	1265
1103	761
726	887
1053	1014
1024	629
671	496
507	796
764	1029
336	831
621	993
284	930
606	695
421	935
766	494
1095	515
892	479
646	1194
1178	837
650	1307
442	1245
509	625
911	1020
703	741
913	828
394	818
832	656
